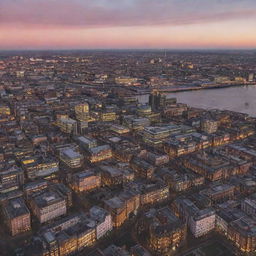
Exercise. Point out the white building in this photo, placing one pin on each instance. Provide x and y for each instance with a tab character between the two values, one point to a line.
202	222
103	220
48	206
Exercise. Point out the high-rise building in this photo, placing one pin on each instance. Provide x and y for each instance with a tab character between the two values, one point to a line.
159	101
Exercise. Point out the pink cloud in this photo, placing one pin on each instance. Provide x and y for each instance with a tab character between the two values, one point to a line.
127	23
98	13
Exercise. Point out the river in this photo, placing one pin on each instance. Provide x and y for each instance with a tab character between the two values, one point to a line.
239	99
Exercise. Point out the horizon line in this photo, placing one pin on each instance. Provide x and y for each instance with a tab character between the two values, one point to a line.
130	49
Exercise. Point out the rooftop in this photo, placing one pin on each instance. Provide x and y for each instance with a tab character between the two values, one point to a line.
15	208
70	153
47	198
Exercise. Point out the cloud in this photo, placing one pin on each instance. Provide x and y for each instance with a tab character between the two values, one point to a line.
111	13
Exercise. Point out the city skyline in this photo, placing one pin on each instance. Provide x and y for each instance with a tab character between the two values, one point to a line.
128	24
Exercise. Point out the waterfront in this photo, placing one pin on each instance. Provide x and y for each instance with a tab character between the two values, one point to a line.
239	99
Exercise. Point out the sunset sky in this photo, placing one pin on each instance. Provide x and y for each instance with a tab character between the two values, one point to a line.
93	24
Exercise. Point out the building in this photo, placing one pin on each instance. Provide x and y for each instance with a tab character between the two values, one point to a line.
180	144
132	201
202	222
138	250
107	116
17	216
219	138
175	110
156	159
125	80
67	125
184	208
238	227
181	180
136	123
150	192
5	110
146	111
102	219
4	197
166	232
68	236
71	158
86	142
209	125
251	77
124	150
219	193
34	187
82	112
210	165
248	205
156	135
243	233
48	206
11	178
85	181
86	235
159	101
119	129
117	208
122	206
99	153
111	176
64	192
114	250
153	193
40	166
142	168
96	252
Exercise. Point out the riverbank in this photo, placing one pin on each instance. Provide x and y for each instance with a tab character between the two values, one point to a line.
186	88
235	98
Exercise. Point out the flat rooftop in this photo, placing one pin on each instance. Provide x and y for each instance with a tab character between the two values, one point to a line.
15	208
70	153
47	198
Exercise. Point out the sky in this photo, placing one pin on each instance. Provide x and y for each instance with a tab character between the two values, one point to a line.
123	24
